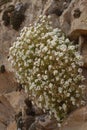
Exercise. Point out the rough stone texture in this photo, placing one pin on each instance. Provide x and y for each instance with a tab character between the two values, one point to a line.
7	82
55	8
7	36
4	2
12	126
6	113
38	111
44	123
76	121
29	120
74	27
16	99
10	105
2	126
84	51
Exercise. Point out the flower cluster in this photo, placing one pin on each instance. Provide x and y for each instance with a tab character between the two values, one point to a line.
48	65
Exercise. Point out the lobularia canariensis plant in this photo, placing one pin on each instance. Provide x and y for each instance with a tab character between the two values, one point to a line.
48	65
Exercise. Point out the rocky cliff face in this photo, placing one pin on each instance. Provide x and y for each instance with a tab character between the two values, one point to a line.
70	16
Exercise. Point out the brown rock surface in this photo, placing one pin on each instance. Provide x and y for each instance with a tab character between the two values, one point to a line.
16	100
4	2
72	26
7	82
6	112
2	126
56	7
12	126
84	51
76	121
10	105
44	123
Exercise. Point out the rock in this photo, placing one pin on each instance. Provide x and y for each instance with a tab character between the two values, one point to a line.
76	121
38	111
19	87
7	14
16	100
2	126
29	120
70	24
85	83
19	120
84	51
6	112
17	16
44	123
34	126
4	2
77	13
12	126
56	7
7	82
32	110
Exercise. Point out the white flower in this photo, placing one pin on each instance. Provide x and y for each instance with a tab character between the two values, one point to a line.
78	56
57	78
59	125
60	108
49	67
28	33
70	80
70	69
62	81
53	42
55	30
38	75
20	69
71	47
55	72
50	57
68	94
57	58
48	41
60	90
73	102
81	63
49	16
72	99
63	47
26	89
73	65
67	41
60	54
82	86
80	70
64	107
45	77
50	85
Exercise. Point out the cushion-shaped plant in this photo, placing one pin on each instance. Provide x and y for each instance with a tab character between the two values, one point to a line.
48	65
